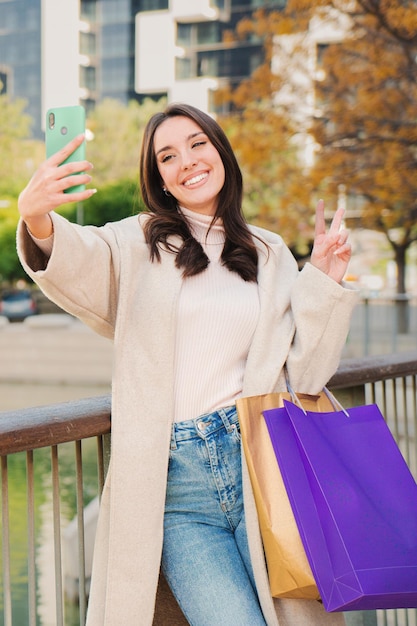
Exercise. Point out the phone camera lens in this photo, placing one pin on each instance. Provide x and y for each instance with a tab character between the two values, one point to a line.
51	121
64	130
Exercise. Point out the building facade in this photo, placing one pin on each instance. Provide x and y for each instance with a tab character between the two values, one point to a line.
82	51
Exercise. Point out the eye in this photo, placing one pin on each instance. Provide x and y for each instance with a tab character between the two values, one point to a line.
166	158
197	144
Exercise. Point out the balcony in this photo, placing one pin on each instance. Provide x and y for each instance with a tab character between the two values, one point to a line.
53	464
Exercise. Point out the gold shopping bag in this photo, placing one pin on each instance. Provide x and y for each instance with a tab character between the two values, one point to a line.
289	571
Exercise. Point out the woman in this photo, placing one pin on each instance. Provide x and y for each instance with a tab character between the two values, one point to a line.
202	309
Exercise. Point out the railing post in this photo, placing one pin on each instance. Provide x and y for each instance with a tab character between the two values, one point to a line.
351	396
106	452
366	326
361	618
7	593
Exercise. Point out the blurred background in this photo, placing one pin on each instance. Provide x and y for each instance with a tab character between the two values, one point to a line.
318	99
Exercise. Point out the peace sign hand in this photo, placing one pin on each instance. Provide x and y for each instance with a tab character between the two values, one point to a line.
331	251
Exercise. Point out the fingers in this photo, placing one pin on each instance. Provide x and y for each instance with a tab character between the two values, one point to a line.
337	221
71	181
342	245
78	196
55	178
74	167
51	184
320	225
60	156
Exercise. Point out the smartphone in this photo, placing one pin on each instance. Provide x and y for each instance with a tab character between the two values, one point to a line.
62	125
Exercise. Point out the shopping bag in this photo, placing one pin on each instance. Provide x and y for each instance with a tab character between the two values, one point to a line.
355	503
289	572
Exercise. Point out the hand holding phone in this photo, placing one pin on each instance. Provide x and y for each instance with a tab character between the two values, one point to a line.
62	125
47	188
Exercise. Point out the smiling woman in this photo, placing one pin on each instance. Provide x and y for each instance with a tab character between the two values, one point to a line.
190	166
203	308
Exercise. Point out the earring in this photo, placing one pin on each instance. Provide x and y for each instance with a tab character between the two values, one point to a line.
166	192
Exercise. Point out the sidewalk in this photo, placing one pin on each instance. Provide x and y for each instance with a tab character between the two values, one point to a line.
54	349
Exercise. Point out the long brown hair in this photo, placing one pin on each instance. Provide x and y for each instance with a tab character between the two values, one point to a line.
239	252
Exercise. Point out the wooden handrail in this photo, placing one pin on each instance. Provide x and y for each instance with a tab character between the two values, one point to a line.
371	369
27	429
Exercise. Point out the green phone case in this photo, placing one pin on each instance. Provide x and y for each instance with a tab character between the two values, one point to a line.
62	125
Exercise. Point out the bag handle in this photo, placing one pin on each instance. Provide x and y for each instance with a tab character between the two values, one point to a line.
335	403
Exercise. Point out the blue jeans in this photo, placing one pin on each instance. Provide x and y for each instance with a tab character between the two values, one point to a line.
206	555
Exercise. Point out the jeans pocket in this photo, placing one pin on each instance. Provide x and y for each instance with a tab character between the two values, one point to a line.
235	432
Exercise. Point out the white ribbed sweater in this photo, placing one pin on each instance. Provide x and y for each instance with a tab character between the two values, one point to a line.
217	316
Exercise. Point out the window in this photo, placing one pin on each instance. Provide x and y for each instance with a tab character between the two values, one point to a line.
88	78
184	34
88	10
115	11
208	32
88	43
3	83
115	39
152	5
183	69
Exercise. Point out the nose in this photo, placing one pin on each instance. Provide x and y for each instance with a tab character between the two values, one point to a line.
188	160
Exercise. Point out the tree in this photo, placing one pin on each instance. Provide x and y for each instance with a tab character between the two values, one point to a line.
10	267
112	202
274	195
367	124
266	139
19	154
117	133
345	73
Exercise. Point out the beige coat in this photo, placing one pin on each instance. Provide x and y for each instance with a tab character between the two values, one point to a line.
104	277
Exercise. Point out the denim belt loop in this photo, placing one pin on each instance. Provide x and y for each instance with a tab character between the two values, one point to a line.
173	439
224	414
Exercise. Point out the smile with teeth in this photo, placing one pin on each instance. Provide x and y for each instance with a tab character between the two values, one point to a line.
195	179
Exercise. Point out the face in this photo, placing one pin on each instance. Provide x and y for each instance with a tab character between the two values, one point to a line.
190	166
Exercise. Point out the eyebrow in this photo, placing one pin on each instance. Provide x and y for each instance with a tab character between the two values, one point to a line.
200	132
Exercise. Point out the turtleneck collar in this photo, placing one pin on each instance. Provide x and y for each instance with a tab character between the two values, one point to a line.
199	225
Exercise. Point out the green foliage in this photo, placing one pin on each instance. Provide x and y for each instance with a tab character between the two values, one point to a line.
19	155
113	202
117	134
10	268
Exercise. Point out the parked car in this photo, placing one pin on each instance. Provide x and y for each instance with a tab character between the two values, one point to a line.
17	304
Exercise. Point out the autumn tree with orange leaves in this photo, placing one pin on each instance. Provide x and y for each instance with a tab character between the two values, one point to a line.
342	75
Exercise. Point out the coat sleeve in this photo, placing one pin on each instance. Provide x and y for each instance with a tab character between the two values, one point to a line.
81	275
303	324
322	311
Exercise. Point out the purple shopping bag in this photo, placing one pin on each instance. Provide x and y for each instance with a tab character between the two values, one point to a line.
355	504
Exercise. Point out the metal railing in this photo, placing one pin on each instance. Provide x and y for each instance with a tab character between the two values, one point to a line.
390	381
383	324
50	427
